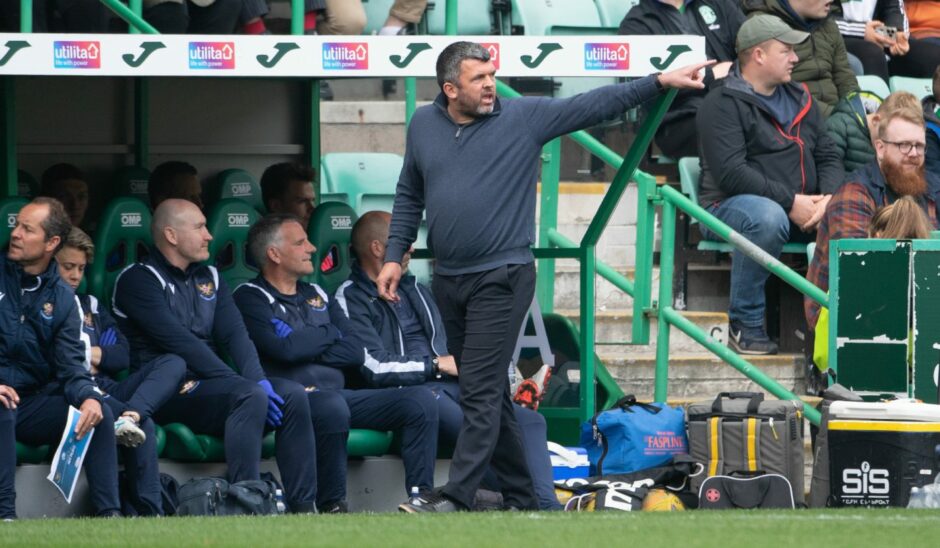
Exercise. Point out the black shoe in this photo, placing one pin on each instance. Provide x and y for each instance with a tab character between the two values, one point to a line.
303	508
429	502
750	340
338	507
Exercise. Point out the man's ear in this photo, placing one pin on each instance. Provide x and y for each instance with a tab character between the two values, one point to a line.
274	255
169	234
52	243
377	249
450	90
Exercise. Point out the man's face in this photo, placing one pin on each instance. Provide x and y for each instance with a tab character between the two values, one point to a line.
72	262
73	193
192	236
298	199
187	187
474	95
779	60
28	244
904	171
295	250
811	9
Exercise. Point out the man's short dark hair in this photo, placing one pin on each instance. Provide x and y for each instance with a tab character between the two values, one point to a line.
277	178
448	62
264	233
54	174
57	222
162	178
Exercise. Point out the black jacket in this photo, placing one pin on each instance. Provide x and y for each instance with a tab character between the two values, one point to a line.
164	310
40	335
376	324
97	322
717	20
745	151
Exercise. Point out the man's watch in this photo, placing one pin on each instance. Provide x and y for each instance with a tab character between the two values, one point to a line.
435	367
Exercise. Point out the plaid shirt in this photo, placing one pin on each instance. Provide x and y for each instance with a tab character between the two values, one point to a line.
848	215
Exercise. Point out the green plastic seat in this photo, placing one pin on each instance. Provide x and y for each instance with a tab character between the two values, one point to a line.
334	197
28	454
362	176
228	222
368	443
873	84
546	18
920	87
376	14
132	181
122	238
689	178
330	230
612	12
236	183
26	184
474	17
9	209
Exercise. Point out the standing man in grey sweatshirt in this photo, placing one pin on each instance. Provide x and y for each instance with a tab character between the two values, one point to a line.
472	162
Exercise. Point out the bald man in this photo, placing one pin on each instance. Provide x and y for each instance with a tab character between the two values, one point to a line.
175	309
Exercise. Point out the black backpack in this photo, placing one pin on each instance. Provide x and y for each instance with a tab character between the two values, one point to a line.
758	491
217	497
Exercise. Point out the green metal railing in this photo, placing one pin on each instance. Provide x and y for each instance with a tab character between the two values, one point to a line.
552	244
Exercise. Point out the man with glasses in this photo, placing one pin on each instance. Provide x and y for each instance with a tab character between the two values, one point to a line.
896	171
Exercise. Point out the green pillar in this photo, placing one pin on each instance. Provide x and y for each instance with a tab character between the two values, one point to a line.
411	99
588	274
548	220
8	129
666	259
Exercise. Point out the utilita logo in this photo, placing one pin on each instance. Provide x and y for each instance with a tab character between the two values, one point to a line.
212	55
493	48
345	56
77	55
606	56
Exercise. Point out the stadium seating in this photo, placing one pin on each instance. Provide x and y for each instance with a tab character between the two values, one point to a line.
9	208
123	237
920	87
228	222
330	230
612	12
368	178
376	14
27	454
474	17
132	181
689	179
873	84
540	18
235	183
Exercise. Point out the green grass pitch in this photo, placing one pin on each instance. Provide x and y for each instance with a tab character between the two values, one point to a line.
770	529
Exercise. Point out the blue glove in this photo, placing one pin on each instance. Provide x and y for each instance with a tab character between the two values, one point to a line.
274	404
281	329
108	337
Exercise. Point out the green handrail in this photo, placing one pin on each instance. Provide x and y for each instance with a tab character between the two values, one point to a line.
129	16
753	251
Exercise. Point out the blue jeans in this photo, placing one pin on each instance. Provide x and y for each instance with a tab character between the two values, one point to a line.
762	221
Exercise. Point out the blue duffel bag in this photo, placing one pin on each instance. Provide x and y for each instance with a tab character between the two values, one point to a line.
633	436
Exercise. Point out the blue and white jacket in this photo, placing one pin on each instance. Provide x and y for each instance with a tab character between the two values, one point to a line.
377	325
99	329
296	337
40	335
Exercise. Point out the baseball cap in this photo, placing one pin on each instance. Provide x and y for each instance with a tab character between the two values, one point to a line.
763	27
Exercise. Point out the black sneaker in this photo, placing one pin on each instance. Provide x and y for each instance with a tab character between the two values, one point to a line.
429	502
750	340
338	507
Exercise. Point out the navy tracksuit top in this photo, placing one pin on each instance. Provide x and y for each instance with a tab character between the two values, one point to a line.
164	310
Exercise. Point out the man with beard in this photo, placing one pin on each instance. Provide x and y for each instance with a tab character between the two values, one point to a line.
472	161
898	170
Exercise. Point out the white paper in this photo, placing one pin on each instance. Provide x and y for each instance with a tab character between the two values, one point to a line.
67	463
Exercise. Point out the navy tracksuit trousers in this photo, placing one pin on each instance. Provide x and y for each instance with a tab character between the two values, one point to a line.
39	420
235	409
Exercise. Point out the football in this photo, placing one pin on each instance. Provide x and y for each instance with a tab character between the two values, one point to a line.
661	500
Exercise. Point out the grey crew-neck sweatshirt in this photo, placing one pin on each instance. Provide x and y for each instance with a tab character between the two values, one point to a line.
477	181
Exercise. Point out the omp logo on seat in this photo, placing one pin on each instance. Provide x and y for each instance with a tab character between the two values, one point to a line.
341	221
237	220
131	219
11	220
138	187
241	189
